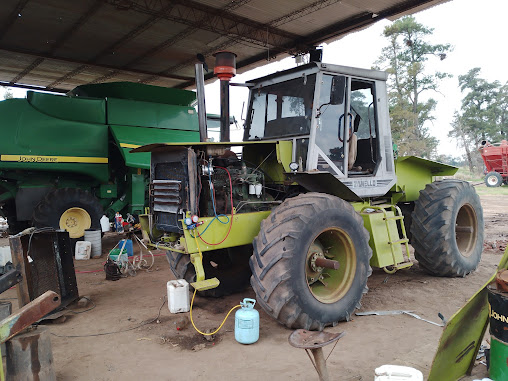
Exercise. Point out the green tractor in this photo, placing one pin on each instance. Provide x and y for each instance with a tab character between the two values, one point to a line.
309	201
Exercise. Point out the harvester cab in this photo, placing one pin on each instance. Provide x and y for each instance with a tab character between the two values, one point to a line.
336	118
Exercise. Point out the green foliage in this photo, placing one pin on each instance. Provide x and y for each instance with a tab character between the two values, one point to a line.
404	59
483	115
7	93
484	109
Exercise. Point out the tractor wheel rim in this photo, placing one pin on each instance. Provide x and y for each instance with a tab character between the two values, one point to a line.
466	228
492	180
328	285
75	220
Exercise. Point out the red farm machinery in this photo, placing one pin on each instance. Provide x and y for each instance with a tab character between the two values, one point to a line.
495	157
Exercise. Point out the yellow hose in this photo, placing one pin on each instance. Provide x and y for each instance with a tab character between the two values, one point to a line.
192	303
218	329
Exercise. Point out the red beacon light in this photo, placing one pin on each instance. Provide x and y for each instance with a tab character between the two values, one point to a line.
225	65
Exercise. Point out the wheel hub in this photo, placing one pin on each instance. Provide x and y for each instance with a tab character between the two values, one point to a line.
466	230
330	272
75	220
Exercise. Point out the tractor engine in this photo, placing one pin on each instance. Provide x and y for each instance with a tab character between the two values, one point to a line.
204	181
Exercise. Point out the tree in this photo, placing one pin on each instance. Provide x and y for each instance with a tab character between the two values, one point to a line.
478	107
465	139
7	93
404	59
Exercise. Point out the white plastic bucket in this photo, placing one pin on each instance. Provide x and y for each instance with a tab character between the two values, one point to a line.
95	238
82	251
397	373
178	296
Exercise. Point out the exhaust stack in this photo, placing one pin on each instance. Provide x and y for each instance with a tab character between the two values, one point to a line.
200	94
225	69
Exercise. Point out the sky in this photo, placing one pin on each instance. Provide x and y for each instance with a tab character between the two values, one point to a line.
475	29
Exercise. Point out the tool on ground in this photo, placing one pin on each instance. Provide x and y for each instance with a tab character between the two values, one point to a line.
314	342
400	312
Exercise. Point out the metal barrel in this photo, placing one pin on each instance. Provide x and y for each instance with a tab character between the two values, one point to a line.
498	314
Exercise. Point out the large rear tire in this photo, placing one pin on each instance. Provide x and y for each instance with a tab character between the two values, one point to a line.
71	209
289	285
447	228
230	266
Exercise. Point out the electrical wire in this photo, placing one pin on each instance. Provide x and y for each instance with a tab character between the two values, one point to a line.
81	312
119	331
216	217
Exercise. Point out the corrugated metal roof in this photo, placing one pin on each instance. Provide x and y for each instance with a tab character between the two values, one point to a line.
59	44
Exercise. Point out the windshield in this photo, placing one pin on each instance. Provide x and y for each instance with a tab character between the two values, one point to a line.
282	109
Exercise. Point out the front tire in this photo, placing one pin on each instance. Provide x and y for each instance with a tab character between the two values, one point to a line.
447	228
71	209
493	179
230	266
288	284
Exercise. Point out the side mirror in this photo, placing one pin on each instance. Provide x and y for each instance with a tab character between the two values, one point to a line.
337	90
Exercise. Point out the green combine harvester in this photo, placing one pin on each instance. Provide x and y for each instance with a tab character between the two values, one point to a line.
65	160
309	201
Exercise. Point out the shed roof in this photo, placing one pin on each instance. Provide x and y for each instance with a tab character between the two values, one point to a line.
60	44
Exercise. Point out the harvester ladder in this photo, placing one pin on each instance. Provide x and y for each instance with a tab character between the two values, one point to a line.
398	218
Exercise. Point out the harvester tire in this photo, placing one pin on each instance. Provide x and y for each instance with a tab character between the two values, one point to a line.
230	266
288	284
493	179
447	228
83	209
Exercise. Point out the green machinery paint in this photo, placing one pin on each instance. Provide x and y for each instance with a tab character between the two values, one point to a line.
82	140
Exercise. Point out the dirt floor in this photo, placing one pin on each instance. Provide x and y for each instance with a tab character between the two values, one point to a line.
169	348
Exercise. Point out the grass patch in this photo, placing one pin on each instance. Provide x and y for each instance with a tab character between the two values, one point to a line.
482	189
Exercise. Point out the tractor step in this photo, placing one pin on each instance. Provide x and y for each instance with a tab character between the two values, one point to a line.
395	218
403	240
207	284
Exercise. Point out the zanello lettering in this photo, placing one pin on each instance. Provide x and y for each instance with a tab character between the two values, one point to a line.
365	183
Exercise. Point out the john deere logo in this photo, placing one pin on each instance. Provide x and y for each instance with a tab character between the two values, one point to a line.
495	315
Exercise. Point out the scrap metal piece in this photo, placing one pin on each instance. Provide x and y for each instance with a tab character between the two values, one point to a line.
28	315
399	312
9	279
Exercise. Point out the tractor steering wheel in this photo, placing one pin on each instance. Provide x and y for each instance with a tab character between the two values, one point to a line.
350	127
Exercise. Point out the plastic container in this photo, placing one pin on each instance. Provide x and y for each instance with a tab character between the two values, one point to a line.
5	255
105	227
95	238
247	322
397	373
178	296
82	250
128	246
113	254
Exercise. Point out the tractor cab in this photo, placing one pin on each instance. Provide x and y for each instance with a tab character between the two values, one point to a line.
336	117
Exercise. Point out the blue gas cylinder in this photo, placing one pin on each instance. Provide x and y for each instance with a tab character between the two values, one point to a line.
247	322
